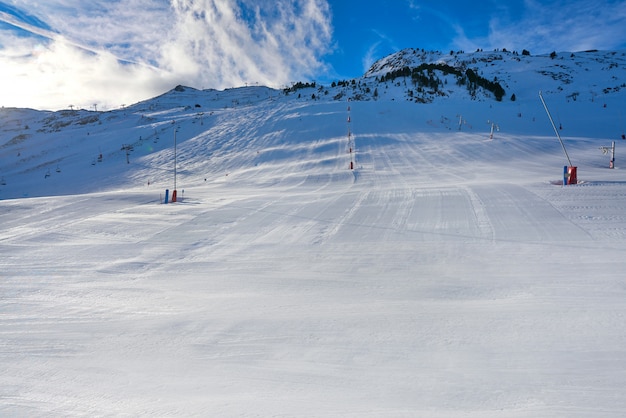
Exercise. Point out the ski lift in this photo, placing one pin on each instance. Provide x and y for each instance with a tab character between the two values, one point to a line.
3	182
100	158
47	174
58	170
93	162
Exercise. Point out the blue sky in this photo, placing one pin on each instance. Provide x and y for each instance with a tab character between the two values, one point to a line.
113	52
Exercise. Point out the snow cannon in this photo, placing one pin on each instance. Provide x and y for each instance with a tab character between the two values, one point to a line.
570	175
569	171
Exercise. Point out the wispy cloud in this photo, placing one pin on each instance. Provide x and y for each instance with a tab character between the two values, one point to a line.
554	25
371	55
414	5
118	52
234	42
373	52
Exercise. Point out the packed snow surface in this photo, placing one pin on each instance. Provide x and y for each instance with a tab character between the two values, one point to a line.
449	274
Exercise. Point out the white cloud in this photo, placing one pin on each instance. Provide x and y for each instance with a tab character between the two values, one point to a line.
542	27
59	74
119	52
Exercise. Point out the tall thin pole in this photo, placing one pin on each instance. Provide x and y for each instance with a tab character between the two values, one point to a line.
612	163
175	158
556	131
350	142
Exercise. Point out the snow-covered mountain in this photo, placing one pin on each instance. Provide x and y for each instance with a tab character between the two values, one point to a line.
588	75
448	274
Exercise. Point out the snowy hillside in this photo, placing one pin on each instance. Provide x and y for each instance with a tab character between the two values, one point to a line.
449	274
585	91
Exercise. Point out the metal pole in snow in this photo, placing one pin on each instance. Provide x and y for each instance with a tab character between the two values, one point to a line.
494	127
174	159
612	164
555	130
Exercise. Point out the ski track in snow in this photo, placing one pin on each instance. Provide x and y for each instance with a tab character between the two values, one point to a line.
445	277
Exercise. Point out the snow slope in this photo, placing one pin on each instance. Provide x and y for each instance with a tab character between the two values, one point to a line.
449	274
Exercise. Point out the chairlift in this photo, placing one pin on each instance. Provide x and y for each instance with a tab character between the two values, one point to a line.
3	182
58	170
47	174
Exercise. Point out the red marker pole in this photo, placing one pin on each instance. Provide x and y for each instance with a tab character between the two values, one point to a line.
350	143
